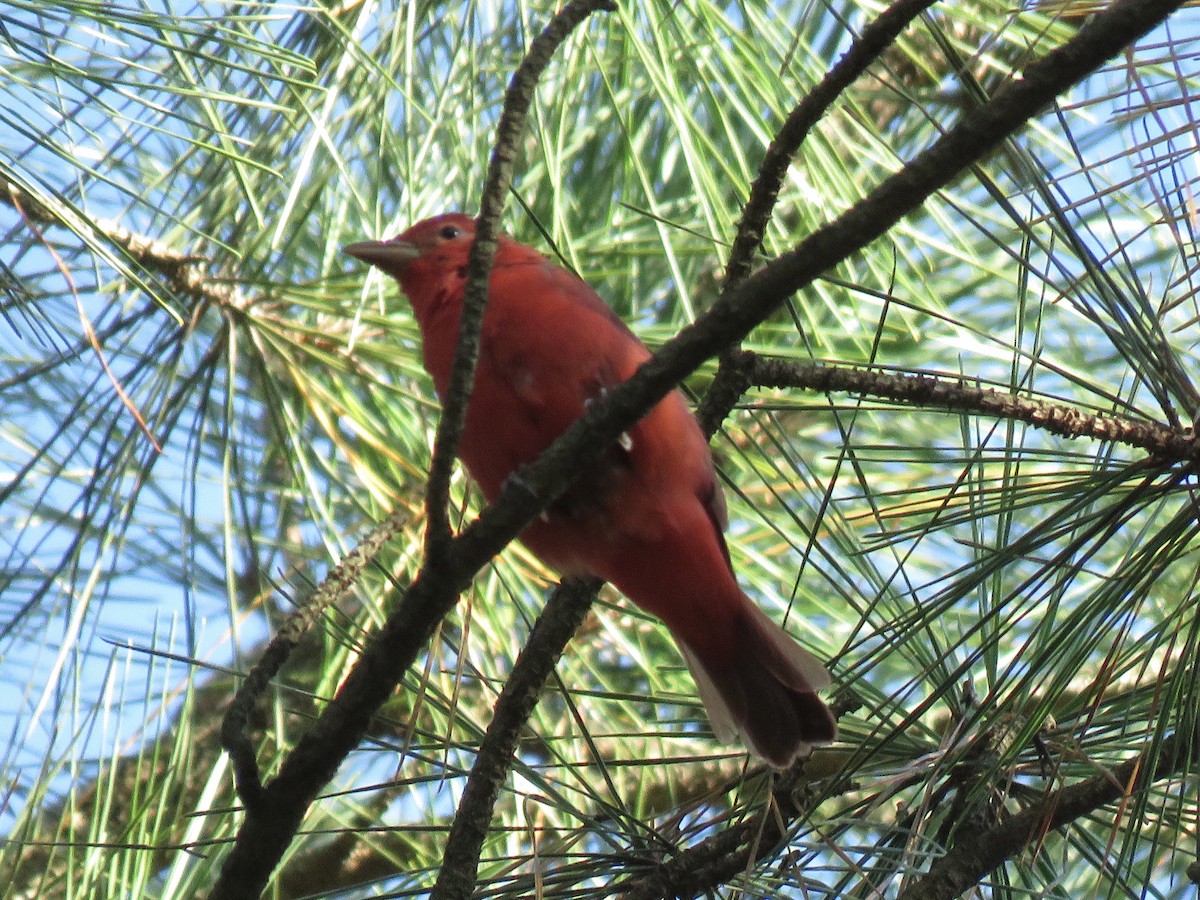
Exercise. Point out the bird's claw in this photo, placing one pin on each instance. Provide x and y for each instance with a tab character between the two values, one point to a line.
625	442
515	480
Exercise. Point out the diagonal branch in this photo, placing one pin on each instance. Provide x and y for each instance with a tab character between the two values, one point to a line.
743	307
718	859
866	48
269	828
336	585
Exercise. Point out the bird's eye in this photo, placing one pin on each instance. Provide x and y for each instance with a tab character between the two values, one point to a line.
449	232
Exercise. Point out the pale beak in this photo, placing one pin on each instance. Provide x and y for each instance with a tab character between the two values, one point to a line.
391	256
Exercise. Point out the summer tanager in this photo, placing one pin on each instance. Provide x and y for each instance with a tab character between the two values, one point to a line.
648	516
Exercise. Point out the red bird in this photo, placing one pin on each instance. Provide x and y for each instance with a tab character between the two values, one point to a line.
649	515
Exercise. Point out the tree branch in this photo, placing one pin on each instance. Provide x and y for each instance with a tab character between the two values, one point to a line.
515	113
738	844
927	391
743	307
727	387
336	585
764	192
563	614
462	851
185	273
978	853
722	857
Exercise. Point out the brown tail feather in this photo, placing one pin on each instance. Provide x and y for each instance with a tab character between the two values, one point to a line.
768	694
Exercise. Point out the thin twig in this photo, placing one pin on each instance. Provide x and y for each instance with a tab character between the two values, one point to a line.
509	132
720	858
564	612
567	606
727	387
875	38
89	331
278	808
340	580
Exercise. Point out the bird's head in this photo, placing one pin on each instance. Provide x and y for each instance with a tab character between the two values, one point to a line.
431	247
430	260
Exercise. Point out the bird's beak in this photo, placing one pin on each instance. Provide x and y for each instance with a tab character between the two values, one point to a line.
391	256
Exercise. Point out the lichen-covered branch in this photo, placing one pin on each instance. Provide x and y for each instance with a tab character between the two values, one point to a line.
929	392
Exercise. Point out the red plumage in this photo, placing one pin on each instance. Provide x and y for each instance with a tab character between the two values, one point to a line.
648	516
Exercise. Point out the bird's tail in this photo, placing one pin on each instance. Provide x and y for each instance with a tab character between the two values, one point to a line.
767	694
